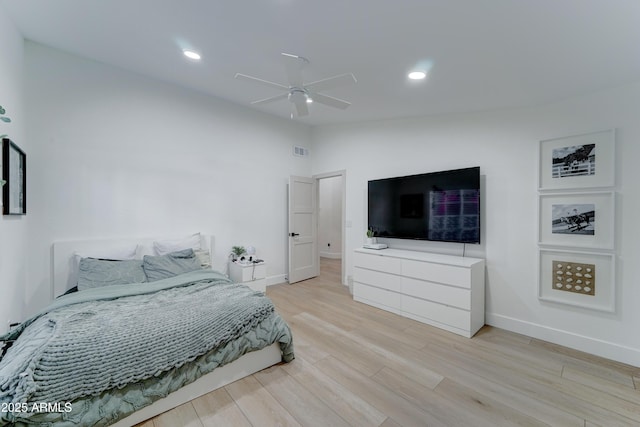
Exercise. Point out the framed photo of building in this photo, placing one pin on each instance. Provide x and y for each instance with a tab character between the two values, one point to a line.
578	162
581	279
14	173
583	220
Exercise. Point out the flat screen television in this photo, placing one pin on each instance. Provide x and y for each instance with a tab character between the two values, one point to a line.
439	206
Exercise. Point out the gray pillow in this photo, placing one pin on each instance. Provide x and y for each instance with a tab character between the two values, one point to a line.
164	266
93	273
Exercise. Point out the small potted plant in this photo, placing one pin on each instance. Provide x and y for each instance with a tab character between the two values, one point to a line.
370	236
237	252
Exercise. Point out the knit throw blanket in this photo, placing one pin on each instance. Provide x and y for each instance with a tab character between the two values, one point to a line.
86	348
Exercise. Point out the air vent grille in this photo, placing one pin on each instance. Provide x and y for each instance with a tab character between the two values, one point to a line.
300	151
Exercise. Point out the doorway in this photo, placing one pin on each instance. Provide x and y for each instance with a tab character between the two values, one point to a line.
331	223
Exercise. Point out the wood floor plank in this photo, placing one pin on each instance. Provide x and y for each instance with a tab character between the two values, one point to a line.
522	400
540	386
355	410
382	398
340	346
440	405
483	410
624	392
258	405
183	415
298	400
218	408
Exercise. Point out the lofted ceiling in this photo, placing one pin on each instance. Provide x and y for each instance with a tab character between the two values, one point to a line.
480	54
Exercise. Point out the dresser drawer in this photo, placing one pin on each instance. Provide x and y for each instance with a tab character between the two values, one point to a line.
448	295
377	262
379	297
378	279
451	316
441	273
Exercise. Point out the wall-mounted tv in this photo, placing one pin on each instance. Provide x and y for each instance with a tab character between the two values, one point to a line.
439	206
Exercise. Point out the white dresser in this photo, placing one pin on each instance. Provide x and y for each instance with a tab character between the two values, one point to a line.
445	291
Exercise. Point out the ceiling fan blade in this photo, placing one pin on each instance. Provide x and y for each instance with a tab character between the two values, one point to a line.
293	65
329	100
331	82
261	81
270	99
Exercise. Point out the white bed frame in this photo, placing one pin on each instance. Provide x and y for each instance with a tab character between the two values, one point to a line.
64	277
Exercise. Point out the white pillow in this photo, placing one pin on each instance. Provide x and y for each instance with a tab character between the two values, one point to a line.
163	247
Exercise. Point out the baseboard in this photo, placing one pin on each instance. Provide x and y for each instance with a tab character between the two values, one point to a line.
590	345
331	255
276	280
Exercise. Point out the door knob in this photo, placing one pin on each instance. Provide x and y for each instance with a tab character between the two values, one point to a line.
294	234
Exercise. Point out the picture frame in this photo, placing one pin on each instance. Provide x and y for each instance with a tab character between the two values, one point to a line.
583	220
14	172
578	161
562	272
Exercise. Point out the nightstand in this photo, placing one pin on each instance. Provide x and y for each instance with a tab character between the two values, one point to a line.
250	274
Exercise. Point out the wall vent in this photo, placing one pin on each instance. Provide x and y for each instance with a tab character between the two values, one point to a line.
300	151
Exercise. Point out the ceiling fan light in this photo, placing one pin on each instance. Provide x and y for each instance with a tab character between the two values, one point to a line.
417	75
191	54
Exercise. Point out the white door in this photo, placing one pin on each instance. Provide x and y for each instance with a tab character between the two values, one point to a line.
303	230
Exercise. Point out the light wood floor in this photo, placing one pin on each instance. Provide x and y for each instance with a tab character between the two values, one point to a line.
359	366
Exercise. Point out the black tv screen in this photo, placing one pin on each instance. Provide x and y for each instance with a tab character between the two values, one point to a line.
439	206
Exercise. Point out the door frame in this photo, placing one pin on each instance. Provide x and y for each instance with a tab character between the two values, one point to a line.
342	173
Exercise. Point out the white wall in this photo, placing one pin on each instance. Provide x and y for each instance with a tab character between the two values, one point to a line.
116	154
13	229
330	217
505	146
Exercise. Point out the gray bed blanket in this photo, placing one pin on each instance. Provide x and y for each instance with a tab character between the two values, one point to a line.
105	338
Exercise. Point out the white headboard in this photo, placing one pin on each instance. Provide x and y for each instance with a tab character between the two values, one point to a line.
64	265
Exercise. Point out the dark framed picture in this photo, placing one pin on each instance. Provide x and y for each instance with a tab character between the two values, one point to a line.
14	172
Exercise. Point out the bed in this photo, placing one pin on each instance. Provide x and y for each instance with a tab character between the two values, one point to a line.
113	355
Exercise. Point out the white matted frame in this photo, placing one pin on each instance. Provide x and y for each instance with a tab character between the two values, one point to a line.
552	283
584	220
578	161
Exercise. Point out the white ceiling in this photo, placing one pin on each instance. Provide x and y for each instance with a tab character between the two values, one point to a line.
484	54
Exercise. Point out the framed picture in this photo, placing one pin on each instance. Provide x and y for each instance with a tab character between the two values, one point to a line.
582	279
14	172
584	220
580	161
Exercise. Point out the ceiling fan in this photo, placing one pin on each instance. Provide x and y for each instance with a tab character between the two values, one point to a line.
299	93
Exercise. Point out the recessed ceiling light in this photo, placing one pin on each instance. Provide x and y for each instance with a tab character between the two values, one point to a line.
191	54
417	75
309	100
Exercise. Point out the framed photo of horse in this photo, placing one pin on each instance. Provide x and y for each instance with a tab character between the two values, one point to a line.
578	161
582	220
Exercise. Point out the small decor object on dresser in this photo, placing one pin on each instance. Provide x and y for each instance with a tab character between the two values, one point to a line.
14	173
